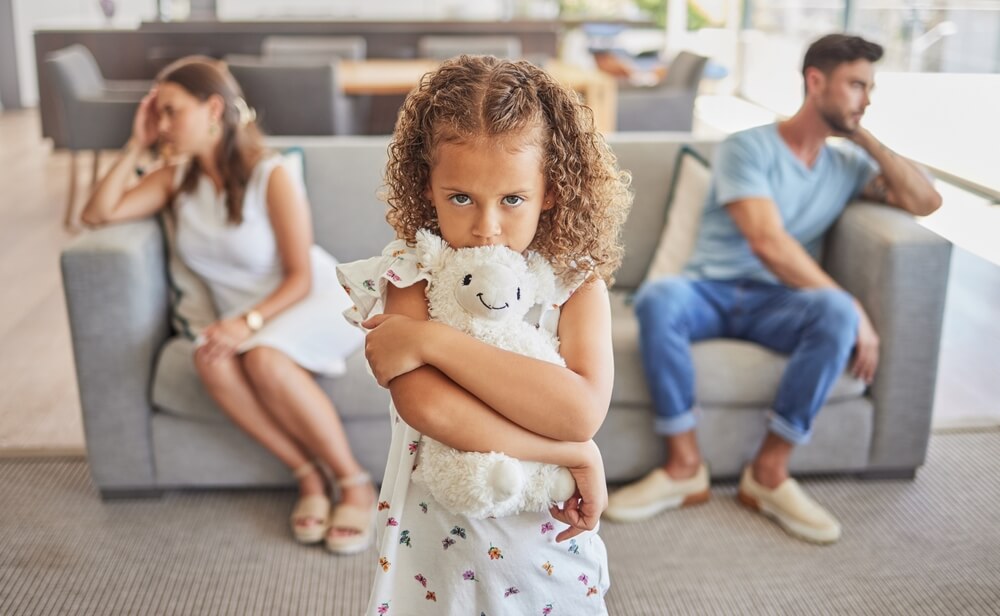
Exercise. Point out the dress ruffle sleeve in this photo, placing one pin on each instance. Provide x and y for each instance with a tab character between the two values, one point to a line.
365	280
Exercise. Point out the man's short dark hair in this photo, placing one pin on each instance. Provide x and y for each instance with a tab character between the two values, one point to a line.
835	49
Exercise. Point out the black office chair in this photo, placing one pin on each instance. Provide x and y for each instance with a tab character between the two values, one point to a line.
444	47
668	106
93	113
312	49
324	48
294	98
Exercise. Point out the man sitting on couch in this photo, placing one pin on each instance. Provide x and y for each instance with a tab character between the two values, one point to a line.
776	189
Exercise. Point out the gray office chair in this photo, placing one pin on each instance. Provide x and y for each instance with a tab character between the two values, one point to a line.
444	47
93	113
324	49
314	47
294	98
668	106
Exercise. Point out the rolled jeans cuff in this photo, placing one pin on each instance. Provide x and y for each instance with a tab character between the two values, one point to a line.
778	425
676	424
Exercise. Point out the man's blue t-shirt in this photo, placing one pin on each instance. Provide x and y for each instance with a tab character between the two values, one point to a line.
758	163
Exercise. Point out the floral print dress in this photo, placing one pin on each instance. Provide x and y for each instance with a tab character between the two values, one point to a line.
431	561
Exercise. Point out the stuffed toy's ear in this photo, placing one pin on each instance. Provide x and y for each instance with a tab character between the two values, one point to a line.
432	251
544	278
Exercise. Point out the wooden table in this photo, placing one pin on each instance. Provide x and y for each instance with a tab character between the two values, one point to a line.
381	77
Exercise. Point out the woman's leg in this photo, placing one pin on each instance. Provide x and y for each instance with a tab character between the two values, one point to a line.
297	402
228	385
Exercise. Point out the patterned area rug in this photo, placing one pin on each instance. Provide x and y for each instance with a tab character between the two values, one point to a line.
930	546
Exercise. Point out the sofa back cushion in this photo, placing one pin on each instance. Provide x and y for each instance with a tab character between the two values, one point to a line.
343	179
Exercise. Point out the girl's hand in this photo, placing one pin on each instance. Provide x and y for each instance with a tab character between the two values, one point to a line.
222	338
394	346
583	510
145	126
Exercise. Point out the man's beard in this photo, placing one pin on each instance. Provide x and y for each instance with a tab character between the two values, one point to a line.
837	123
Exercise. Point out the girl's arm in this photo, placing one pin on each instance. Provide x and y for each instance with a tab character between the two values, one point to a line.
435	405
289	215
566	404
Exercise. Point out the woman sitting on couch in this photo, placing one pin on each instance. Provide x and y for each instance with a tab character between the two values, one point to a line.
243	226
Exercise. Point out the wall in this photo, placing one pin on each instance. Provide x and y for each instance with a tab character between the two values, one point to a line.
366	9
31	15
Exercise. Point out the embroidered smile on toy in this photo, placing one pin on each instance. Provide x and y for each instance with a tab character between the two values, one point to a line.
486	292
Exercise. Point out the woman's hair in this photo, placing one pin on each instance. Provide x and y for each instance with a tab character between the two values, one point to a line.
242	144
480	97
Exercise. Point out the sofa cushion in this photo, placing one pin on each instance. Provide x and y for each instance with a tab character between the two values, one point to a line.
217	453
688	194
729	438
343	179
177	388
728	373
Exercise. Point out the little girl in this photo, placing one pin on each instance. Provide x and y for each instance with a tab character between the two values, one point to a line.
494	152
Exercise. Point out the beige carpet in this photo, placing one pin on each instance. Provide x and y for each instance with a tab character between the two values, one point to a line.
931	546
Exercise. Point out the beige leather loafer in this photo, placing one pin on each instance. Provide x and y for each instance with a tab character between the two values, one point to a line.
789	506
657	492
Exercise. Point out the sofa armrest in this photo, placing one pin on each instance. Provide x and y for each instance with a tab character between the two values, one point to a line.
116	294
898	270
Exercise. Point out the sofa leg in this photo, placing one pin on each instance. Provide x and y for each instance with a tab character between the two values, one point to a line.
889	473
116	494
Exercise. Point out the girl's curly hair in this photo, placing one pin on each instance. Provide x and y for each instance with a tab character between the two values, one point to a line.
475	97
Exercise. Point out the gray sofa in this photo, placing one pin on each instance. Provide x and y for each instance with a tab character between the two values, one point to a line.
150	426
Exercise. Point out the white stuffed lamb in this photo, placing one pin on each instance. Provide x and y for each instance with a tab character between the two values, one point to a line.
486	292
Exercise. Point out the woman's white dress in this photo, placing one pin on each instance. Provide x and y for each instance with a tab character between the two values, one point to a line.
241	266
436	563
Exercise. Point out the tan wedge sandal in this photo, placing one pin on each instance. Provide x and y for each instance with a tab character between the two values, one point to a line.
311	512
346	516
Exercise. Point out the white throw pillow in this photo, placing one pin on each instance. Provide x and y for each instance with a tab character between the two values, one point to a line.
691	184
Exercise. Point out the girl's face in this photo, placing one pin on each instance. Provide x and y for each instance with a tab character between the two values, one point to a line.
488	193
184	122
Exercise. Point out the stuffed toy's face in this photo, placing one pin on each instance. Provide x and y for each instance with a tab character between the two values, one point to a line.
488	283
492	291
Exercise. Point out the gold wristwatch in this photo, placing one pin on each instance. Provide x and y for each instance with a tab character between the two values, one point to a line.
254	320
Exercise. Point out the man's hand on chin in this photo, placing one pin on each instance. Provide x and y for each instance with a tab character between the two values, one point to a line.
860	136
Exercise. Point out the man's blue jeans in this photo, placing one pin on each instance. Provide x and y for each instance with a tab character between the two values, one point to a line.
817	328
